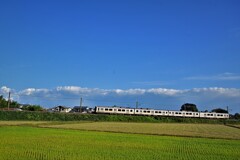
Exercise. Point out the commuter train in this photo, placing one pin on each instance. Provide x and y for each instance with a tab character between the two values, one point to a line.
154	112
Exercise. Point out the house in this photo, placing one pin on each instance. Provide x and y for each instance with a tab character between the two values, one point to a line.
82	109
60	109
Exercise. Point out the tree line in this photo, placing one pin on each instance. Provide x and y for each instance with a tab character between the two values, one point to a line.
15	104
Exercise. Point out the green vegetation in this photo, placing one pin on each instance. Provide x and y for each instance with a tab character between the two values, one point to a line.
4	103
189	107
32	108
171	129
236	116
219	110
15	104
47	116
29	143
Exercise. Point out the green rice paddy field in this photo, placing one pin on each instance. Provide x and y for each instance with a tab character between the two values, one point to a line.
101	140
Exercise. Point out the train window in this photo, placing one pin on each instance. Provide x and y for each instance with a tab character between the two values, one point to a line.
106	109
119	110
123	110
101	108
144	111
197	114
136	110
148	111
160	112
156	111
115	110
169	112
131	110
110	109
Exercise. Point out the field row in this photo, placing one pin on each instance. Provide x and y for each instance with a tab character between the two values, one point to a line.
173	129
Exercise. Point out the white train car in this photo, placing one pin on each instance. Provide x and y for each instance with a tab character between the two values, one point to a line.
114	110
190	114
144	111
214	115
160	113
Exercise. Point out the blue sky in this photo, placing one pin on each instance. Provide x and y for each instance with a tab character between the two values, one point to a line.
125	45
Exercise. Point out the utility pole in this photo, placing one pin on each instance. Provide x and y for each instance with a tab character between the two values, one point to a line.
227	109
80	109
136	104
9	99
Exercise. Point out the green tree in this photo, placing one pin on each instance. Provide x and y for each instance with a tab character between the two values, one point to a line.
189	107
219	110
3	102
237	116
32	108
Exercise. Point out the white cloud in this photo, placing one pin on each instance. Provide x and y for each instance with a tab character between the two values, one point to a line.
31	91
230	92
164	91
5	90
223	77
80	91
121	92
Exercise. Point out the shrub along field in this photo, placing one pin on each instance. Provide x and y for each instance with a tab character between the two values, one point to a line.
27	143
